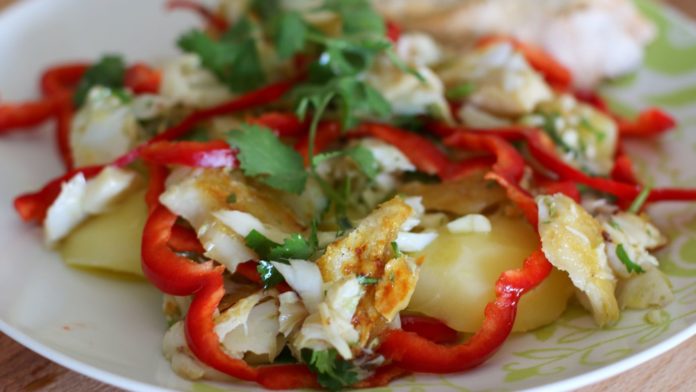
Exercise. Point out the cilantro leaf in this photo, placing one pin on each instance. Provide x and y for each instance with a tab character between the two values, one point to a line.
362	157
294	247
263	155
269	274
333	372
358	17
234	59
365	160
260	244
291	34
367	280
626	260
109	72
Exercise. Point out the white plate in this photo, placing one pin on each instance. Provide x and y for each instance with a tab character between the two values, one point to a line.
111	329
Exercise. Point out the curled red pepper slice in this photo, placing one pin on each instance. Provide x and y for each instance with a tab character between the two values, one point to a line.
430	328
555	73
415	353
169	272
200	328
211	154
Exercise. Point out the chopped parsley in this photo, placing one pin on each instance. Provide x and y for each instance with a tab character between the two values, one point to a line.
232	198
109	72
626	260
263	155
333	372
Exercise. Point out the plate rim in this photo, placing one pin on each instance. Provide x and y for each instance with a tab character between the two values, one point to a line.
591	377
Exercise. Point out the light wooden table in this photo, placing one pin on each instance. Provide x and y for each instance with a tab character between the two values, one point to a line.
23	370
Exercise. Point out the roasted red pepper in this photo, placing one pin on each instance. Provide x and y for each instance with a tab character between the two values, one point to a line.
412	352
430	328
555	73
211	154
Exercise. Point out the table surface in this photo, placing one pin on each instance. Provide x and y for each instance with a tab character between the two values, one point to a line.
23	370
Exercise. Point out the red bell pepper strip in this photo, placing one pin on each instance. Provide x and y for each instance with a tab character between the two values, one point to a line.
623	169
542	149
419	150
393	31
249	100
211	154
291	376
459	170
328	132
33	206
415	353
184	239
382	376
200	333
62	78
430	328
169	272
142	79
155	187
282	124
509	163
550	187
650	122
26	114
555	73
214	20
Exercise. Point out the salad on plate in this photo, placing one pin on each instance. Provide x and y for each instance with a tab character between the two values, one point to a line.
328	198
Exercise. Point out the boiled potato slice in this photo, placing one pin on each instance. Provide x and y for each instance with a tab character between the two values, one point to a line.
110	241
460	270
